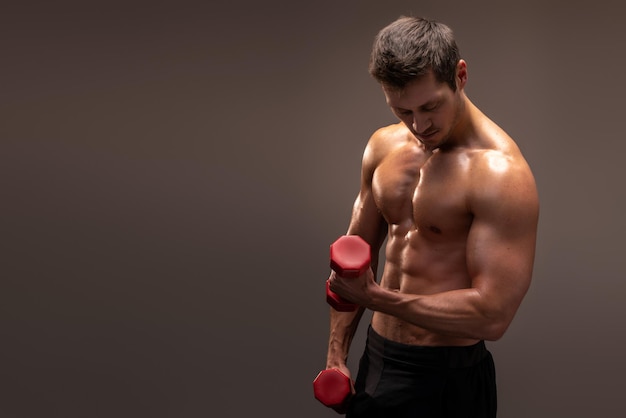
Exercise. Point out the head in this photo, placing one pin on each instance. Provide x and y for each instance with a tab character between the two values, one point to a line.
419	67
409	48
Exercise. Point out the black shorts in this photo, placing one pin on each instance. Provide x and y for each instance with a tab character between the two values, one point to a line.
398	380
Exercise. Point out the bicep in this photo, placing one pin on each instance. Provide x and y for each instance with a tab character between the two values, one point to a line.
501	244
368	223
367	220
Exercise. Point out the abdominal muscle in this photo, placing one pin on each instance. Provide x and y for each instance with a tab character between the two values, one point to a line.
420	264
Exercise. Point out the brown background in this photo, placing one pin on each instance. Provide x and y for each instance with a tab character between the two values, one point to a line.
172	174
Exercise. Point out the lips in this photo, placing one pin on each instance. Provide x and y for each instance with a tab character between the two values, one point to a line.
426	135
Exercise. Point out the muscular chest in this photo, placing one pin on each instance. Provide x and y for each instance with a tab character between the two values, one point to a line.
422	191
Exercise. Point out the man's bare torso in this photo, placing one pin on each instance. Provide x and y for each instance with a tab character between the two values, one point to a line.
425	198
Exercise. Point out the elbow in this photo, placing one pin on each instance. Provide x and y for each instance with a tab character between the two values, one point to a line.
494	321
495	329
494	333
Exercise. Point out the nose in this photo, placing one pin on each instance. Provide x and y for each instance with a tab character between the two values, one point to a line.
420	123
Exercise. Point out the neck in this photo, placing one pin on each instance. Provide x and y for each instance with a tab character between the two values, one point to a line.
465	127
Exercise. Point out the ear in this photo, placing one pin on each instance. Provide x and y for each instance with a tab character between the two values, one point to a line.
461	74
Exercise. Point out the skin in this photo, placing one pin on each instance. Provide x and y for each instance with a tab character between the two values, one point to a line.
458	204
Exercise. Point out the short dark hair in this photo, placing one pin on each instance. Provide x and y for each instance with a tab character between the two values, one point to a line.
409	47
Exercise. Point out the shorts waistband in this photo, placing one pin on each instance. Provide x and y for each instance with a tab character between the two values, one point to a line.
438	356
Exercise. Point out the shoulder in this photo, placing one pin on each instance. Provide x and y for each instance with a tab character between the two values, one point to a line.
384	141
496	158
502	182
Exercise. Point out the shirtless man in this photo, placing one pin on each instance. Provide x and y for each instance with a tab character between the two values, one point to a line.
457	202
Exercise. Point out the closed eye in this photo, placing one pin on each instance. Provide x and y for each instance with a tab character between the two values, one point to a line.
403	112
430	107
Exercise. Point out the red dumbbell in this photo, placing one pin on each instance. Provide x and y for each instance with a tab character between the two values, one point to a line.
333	388
350	258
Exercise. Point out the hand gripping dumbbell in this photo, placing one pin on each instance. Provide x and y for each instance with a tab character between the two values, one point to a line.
350	258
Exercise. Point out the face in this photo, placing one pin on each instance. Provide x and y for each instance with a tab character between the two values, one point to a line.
430	109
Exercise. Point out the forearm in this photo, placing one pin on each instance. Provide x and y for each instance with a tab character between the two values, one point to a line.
343	326
464	313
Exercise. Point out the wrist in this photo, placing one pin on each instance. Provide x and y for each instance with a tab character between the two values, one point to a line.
335	364
377	297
